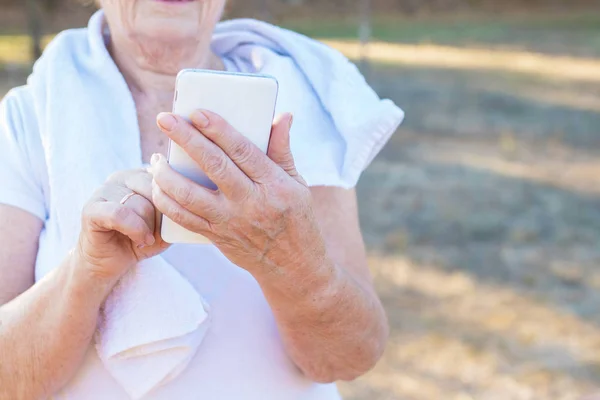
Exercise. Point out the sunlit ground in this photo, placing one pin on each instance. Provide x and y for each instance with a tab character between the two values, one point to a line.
15	49
482	215
460	338
483	223
514	61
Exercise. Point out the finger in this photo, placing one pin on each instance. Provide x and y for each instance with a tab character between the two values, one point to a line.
249	158
193	197
144	208
178	214
279	145
212	160
109	216
139	181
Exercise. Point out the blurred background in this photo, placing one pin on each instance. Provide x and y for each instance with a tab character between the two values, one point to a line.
482	215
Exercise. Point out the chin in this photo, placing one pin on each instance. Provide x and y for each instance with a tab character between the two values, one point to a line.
161	31
169	20
168	32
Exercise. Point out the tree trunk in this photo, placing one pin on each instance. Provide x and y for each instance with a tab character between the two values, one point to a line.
364	31
34	17
264	11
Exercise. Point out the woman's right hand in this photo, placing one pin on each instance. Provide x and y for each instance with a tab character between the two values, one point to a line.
114	236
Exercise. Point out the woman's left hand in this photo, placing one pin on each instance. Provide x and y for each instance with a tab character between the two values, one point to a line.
261	216
313	272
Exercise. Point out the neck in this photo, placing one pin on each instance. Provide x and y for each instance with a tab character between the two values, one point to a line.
151	72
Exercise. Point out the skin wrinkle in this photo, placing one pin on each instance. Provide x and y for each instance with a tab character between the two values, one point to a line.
311	267
273	263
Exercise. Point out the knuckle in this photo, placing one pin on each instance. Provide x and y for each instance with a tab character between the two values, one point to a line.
217	216
215	164
119	214
184	196
288	164
175	214
242	151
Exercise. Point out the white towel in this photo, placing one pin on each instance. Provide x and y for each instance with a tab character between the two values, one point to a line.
150	327
154	321
362	120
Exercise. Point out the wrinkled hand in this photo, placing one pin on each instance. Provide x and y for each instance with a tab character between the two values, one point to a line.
261	216
115	236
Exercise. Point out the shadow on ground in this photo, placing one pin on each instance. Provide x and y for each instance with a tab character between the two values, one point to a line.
482	218
490	104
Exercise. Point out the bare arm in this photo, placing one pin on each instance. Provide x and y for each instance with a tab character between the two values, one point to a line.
46	328
333	324
303	246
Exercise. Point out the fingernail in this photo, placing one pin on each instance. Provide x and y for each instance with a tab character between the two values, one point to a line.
150	239
166	121
141	246
154	159
199	119
291	120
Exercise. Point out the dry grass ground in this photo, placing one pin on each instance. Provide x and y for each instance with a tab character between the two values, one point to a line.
482	215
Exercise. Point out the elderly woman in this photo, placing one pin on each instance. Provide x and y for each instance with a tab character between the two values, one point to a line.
285	283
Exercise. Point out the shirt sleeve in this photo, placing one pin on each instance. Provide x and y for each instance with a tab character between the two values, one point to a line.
20	186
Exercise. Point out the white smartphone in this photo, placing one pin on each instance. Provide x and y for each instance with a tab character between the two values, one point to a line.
246	101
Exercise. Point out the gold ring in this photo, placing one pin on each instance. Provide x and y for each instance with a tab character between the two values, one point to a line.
127	197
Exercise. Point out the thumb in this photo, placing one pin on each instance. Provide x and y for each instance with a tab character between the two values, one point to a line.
279	145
